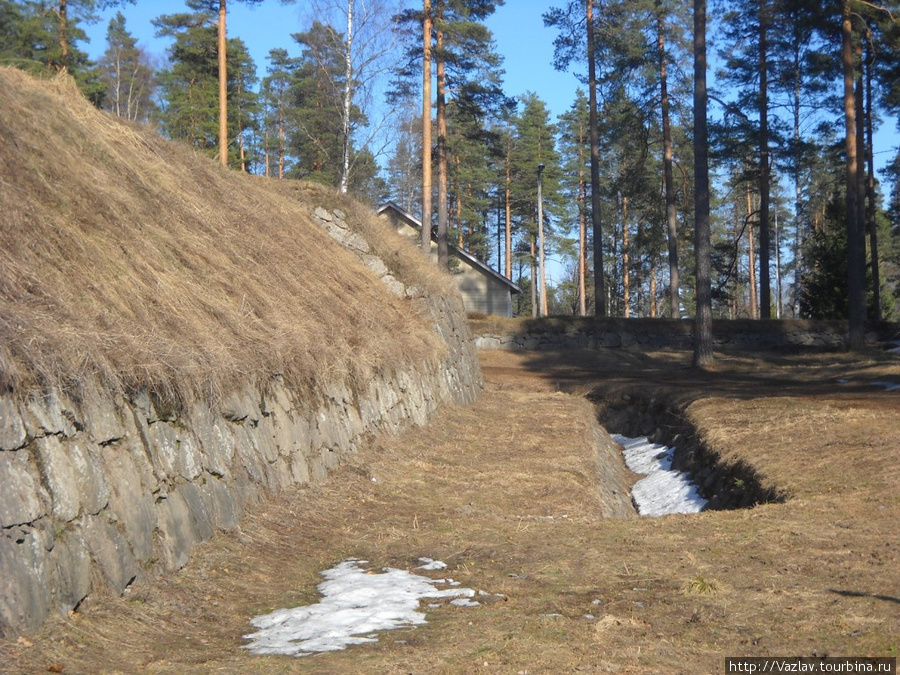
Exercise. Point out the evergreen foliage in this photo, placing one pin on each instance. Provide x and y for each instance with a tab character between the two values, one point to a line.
300	122
189	86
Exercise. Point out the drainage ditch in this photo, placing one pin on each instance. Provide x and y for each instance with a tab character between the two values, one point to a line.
733	485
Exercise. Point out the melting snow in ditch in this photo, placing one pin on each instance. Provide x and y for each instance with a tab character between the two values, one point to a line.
664	490
355	604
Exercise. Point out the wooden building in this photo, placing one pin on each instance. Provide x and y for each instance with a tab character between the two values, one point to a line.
483	289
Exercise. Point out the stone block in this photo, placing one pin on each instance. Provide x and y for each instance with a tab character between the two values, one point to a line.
25	599
247	455
215	439
69	570
176	531
202	519
22	499
47	415
240	406
110	552
277	399
220	503
300	467
175	450
73	475
132	506
12	429
265	436
100	416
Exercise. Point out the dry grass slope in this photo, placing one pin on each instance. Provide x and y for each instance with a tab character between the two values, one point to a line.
137	262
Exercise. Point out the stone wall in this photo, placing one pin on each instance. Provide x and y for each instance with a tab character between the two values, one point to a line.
101	492
652	334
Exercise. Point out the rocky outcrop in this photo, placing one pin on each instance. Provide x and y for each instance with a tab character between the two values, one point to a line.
106	490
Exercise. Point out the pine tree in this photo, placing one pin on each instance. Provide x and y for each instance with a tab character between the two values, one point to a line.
535	153
189	86
575	150
42	37
275	99
127	73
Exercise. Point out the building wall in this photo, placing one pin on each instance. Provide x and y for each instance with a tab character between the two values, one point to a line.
481	292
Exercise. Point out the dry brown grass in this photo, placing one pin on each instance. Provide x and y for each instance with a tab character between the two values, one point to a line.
502	491
135	261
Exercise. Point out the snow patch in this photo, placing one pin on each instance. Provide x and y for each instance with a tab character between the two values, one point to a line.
664	490
356	603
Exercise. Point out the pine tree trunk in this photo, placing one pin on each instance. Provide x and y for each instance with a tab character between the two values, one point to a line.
543	261
870	187
582	243
765	290
426	127
751	260
861	163
508	206
281	138
599	289
626	275
63	34
534	283
856	309
441	101
223	88
668	172
798	190
703	339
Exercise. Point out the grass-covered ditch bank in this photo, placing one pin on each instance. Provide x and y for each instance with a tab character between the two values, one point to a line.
724	484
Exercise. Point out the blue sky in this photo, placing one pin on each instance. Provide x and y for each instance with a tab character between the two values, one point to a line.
527	46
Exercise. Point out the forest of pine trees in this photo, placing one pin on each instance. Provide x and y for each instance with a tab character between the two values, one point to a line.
795	222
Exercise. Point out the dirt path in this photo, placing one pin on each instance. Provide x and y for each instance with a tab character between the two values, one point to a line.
507	493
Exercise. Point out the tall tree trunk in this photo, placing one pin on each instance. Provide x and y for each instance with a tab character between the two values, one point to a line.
441	104
779	310
582	241
427	23
626	277
223	88
63	33
751	262
534	281
668	171
870	185
856	309
799	224
508	207
281	137
543	261
861	159
347	102
117	97
765	289
599	283
703	342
